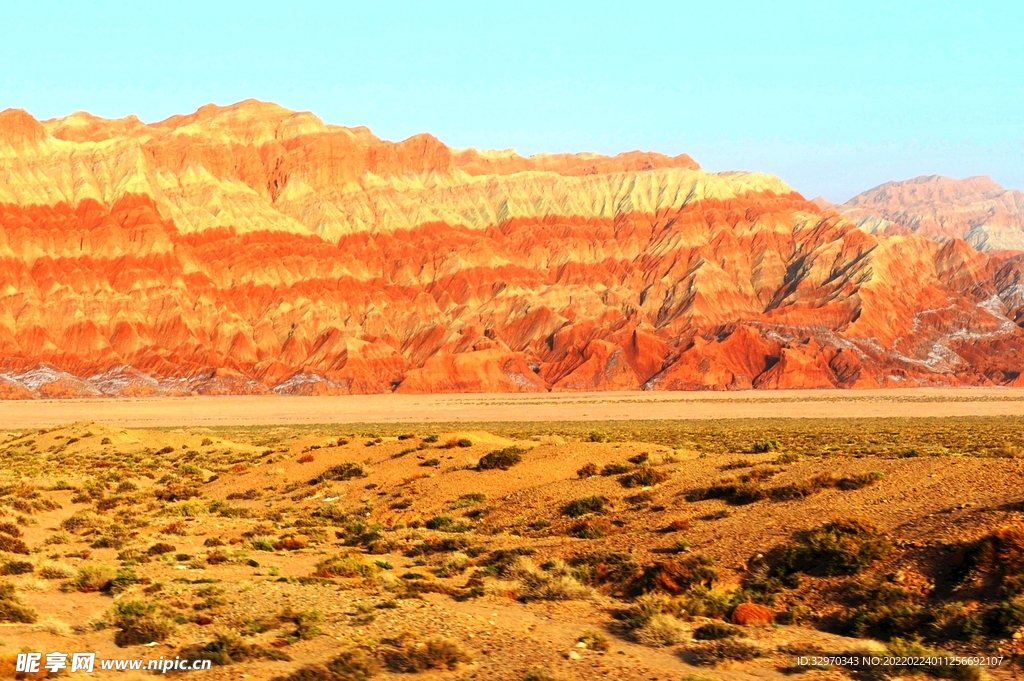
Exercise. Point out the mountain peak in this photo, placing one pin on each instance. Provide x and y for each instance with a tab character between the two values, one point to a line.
18	128
975	208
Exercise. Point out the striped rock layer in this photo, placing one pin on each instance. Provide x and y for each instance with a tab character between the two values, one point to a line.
975	209
251	249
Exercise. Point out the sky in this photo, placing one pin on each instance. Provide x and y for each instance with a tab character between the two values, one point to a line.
835	100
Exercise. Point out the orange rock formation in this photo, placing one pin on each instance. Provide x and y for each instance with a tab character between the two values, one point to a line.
250	249
977	210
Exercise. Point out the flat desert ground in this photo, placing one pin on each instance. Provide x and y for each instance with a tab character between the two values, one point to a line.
264	410
745	536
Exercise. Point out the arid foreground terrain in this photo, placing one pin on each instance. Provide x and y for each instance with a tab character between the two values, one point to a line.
625	550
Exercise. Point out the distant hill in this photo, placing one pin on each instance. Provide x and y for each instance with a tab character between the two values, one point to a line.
976	209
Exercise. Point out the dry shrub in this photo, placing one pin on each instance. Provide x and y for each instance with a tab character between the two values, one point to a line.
615	468
455	564
216	557
556	583
17	567
292	543
885	611
643	476
57	538
734	492
228	648
539	674
11	608
13	545
588	470
33	584
186	509
714	631
804	488
661	630
93	579
419	656
766	445
345	565
823	481
457	442
605	568
177	492
140	622
840	547
54	627
584	505
341	472
1000	555
737	464
723	651
677	576
11	530
350	665
591	528
595	640
910	652
502	459
160	548
8	664
859	480
55	571
307	622
177	527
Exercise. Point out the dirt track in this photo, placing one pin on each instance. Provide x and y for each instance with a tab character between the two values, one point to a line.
253	410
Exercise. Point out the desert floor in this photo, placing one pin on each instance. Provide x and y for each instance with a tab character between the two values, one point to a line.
519	538
262	410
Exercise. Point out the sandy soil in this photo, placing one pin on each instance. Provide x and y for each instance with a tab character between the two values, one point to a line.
259	410
91	496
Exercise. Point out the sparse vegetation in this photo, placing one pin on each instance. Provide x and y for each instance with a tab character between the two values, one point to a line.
766	445
643	476
725	650
11	607
350	665
502	459
346	565
227	648
402	520
140	622
584	506
661	629
677	576
341	472
840	547
415	656
713	631
93	578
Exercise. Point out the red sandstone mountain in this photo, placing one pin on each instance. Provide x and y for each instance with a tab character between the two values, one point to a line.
249	249
977	210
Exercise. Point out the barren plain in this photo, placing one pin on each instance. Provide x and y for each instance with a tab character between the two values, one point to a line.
612	536
593	406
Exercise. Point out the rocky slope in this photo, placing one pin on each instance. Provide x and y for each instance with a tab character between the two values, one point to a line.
249	249
976	209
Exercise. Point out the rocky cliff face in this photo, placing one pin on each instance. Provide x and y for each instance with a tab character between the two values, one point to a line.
977	210
251	249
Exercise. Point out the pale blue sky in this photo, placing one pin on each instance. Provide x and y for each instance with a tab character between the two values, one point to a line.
833	100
